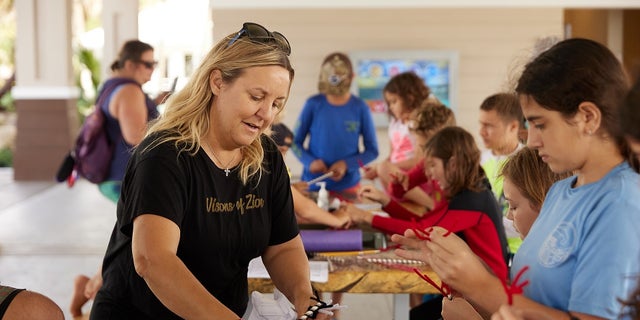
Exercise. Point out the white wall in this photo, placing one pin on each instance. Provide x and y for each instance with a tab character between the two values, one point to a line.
491	42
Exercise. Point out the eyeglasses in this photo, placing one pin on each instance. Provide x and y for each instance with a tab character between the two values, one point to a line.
258	33
148	64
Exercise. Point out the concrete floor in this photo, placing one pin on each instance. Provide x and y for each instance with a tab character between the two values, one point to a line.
49	233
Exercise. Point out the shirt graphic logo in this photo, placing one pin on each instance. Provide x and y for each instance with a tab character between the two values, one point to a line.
558	245
351	126
250	201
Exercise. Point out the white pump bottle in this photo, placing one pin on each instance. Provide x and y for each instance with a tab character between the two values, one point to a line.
323	196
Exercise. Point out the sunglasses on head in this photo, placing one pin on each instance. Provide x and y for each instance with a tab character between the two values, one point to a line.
148	64
258	33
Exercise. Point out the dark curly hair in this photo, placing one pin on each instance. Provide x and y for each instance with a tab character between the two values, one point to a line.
410	88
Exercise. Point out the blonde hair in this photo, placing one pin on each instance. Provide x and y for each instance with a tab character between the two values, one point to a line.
430	117
533	178
186	117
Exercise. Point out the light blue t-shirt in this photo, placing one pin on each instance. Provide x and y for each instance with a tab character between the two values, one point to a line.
583	251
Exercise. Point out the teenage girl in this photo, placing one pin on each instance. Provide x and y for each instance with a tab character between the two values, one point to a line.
527	180
570	95
452	158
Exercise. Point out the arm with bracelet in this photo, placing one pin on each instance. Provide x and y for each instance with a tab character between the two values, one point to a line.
293	279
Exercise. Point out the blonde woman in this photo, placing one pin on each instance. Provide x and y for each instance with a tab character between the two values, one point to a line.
206	191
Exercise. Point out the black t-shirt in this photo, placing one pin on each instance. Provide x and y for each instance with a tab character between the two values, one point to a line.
223	223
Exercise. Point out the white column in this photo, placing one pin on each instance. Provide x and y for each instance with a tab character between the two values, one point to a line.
120	23
45	93
43	50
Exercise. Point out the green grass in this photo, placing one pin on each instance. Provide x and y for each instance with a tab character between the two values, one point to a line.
6	157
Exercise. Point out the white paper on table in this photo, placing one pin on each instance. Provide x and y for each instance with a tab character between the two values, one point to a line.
369	206
319	270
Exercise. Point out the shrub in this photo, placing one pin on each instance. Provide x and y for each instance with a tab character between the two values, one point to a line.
6	157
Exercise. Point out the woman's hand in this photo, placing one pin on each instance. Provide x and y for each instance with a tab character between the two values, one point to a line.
161	97
373	194
357	215
343	217
301	186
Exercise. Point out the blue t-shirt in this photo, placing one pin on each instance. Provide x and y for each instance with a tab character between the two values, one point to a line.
583	251
334	134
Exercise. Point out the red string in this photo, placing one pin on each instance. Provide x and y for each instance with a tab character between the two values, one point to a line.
443	288
424	234
515	287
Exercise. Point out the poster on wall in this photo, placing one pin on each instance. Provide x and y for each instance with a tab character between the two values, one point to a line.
374	68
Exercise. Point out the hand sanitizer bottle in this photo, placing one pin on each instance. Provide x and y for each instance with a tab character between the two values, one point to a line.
323	196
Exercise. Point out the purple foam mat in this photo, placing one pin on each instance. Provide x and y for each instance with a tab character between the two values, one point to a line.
331	240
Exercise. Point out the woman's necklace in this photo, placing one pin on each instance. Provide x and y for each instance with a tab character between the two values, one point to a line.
226	170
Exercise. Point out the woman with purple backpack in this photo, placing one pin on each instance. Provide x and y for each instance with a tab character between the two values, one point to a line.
127	111
127	108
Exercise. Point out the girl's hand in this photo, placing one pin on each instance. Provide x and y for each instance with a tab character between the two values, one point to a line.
507	312
459	308
400	177
449	257
413	248
370	171
339	169
373	194
318	166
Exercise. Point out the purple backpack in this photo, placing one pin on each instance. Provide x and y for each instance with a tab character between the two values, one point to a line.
92	153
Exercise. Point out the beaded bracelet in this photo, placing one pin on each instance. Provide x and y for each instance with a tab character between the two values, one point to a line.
312	311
